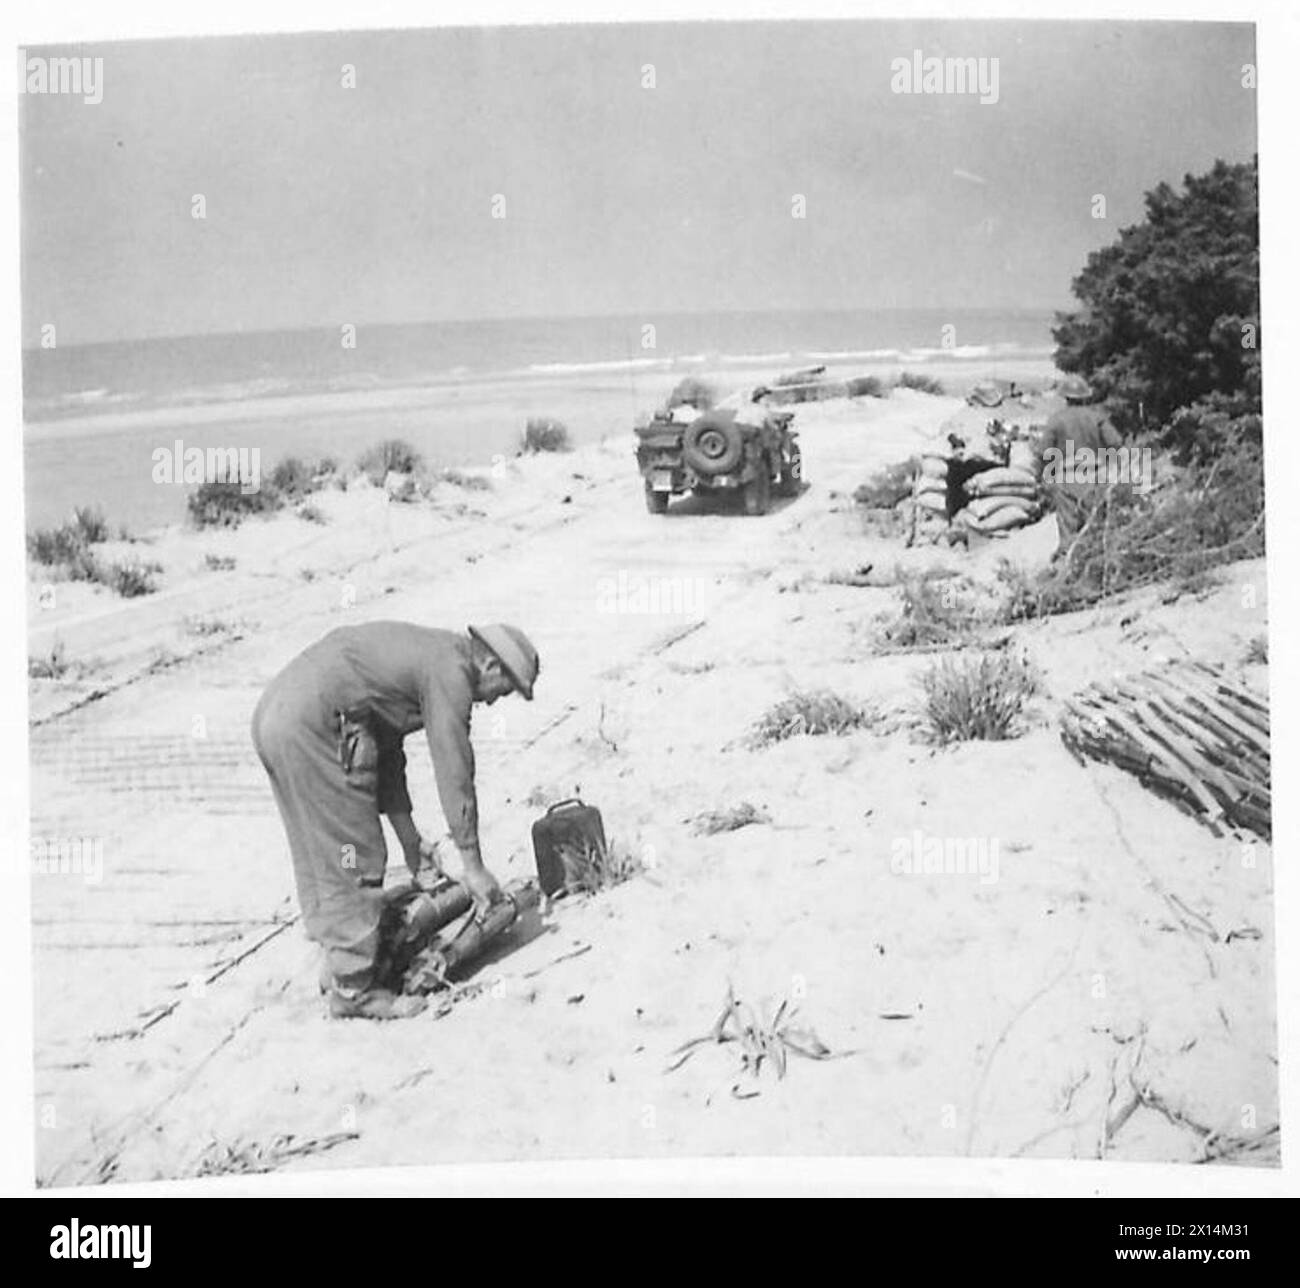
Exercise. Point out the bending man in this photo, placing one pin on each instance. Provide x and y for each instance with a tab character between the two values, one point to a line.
329	731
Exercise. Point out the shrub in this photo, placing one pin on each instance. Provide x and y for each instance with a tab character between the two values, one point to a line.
130	579
1207	516
53	667
393	455
67	543
293	477
1165	308
471	482
691	391
865	387
936	609
919	381
893	484
312	513
218	563
219	503
1257	650
977	697
541	434
809	712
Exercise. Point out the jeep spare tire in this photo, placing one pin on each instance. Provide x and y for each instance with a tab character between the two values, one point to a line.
713	444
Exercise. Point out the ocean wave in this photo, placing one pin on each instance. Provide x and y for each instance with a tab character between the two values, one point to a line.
577	368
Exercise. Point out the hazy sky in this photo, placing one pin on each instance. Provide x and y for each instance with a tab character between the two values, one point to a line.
328	205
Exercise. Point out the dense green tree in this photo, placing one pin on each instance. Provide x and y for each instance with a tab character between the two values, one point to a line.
1168	331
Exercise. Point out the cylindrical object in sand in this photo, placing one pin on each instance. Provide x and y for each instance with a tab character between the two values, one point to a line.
475	936
430	910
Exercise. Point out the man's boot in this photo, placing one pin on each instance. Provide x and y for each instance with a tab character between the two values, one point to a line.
373	1004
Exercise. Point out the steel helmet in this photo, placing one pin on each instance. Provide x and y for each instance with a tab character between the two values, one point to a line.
1075	389
514	650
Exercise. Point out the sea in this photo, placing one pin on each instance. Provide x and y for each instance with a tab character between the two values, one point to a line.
94	413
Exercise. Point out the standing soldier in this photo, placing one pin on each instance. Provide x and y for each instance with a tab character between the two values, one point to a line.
1075	429
329	732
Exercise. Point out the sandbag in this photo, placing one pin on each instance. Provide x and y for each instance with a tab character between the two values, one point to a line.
1003	475
1023	493
982	507
1008	517
934	467
932	485
931	500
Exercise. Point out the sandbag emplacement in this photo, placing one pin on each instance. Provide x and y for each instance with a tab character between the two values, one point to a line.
934	467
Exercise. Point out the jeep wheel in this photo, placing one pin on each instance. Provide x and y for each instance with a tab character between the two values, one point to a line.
792	474
656	502
758	491
713	445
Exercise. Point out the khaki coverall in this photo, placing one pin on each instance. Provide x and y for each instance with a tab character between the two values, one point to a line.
1079	427
392	678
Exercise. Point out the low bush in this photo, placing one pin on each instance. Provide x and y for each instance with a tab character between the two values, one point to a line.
936	610
866	387
808	713
919	381
541	434
893	484
222	504
393	455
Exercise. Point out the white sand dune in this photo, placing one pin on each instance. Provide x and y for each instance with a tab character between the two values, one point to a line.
1003	1018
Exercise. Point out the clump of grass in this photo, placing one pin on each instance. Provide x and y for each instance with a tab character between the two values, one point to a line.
760	1040
977	697
809	713
893	484
392	456
731	819
294	477
52	667
542	434
205	627
866	387
67	543
222	503
590	867
219	563
311	513
131	579
919	381
470	482
1257	650
936	610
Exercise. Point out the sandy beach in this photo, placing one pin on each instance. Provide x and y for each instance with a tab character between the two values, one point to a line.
177	1017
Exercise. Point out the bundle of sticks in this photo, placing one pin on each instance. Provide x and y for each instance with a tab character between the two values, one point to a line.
1186	731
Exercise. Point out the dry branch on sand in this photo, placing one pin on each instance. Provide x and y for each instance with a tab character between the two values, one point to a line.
1186	732
731	819
241	1158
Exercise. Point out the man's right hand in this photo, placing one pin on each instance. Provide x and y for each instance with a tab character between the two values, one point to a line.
482	886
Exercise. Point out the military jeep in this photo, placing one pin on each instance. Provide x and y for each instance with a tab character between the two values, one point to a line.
724	449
